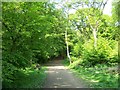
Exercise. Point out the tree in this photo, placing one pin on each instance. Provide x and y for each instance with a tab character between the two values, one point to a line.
32	33
90	16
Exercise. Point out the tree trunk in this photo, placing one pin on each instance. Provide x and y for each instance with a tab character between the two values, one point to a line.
68	54
94	30
95	37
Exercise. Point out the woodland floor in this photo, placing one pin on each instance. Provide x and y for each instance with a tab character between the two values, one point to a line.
59	76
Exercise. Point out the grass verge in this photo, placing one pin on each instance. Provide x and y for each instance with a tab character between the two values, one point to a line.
29	78
98	76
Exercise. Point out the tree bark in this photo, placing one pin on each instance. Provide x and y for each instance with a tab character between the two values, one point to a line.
95	37
68	54
94	30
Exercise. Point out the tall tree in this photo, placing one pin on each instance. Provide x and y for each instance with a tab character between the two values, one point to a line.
89	16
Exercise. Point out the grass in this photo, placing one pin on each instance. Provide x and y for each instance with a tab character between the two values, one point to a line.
29	78
96	77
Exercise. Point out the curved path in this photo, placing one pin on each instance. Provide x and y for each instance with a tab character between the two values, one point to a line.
60	77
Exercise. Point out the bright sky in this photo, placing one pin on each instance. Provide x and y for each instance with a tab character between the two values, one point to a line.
107	9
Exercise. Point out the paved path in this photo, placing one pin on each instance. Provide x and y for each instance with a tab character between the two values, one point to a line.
60	77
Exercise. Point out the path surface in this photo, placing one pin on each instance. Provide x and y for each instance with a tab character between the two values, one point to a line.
60	77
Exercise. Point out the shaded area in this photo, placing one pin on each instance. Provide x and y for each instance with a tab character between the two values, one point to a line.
60	77
29	78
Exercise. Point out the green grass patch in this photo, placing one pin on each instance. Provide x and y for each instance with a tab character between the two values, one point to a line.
65	62
29	78
98	76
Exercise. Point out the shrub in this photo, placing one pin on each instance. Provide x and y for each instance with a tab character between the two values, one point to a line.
76	63
77	50
104	53
8	74
12	62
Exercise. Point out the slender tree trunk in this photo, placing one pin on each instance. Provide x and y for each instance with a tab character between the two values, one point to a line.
94	30
68	54
95	37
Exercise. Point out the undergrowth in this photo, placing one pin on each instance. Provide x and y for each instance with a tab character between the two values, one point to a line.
99	76
28	78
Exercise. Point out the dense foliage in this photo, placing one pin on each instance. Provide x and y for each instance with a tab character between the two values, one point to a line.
30	35
35	32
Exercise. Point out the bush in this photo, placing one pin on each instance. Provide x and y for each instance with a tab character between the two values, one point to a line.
8	73
12	62
77	50
105	53
74	58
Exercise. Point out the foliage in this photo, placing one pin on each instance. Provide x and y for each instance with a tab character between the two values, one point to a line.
29	78
115	15
34	32
92	64
98	77
30	35
106	52
77	50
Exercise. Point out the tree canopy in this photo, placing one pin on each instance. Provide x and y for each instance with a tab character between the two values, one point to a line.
37	32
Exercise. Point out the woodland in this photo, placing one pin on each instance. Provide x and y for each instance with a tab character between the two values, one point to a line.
34	33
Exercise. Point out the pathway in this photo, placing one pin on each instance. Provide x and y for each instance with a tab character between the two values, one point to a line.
60	77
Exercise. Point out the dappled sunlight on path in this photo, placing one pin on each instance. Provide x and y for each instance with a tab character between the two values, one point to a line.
56	67
59	76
